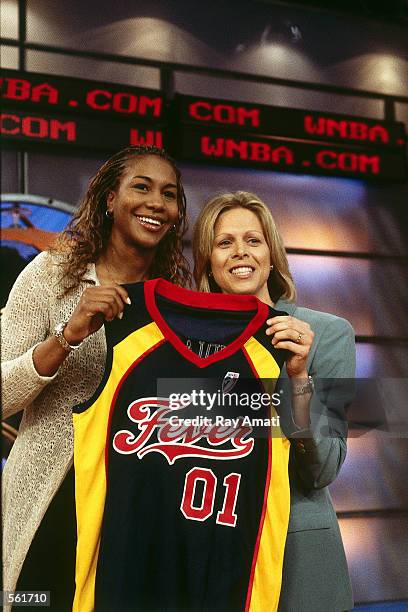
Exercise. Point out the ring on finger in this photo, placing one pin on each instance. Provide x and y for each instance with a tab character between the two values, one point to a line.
299	339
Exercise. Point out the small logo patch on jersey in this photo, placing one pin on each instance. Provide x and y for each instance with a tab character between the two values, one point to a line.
229	381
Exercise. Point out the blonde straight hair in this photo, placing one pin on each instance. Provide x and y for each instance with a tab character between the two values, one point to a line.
280	282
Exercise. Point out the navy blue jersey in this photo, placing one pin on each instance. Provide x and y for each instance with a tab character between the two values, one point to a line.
173	515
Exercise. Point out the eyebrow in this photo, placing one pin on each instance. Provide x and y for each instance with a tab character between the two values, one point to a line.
147	178
229	233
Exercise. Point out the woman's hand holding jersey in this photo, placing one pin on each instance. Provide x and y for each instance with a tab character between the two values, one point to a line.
97	304
297	337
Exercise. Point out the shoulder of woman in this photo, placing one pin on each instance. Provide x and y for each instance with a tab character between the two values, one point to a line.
38	266
42	270
323	321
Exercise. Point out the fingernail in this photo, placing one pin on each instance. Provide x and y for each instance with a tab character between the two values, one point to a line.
128	301
120	315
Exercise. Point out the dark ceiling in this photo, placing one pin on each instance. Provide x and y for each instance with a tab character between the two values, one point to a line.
390	10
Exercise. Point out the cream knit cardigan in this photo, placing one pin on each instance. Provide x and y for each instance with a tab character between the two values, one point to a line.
43	451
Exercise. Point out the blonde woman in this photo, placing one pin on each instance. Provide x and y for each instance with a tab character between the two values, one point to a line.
237	249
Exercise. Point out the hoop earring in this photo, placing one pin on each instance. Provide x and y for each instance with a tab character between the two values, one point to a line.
109	214
271	269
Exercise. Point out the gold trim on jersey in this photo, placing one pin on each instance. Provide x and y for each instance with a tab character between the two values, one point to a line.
90	429
267	578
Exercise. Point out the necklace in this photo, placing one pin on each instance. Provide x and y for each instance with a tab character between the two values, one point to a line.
105	273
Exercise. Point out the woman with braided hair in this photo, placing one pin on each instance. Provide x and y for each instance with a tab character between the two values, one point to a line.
128	228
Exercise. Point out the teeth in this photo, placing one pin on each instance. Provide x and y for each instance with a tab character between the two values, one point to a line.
241	270
150	220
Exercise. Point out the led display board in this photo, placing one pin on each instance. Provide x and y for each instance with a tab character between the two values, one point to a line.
289	122
42	110
81	132
285	155
66	94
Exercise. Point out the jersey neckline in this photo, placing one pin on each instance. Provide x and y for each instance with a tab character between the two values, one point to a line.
208	301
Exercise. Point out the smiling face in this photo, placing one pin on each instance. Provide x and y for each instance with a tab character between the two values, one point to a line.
240	258
144	205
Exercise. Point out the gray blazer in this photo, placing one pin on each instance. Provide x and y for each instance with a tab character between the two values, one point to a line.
315	574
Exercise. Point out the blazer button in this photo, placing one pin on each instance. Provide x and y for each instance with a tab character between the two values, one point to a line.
300	447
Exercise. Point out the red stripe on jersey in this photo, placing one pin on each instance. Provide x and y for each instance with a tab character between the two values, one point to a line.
207	301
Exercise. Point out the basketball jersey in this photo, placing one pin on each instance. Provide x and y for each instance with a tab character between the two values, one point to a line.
173	515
